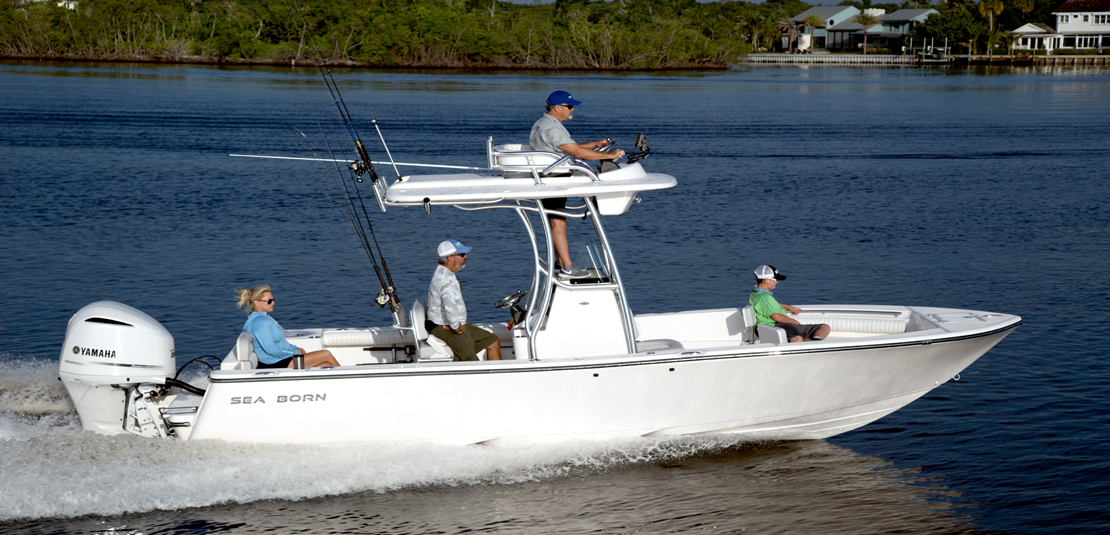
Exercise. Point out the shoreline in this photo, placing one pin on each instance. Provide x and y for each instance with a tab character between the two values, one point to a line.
308	63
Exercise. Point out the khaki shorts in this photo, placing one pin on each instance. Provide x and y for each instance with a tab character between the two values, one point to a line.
466	345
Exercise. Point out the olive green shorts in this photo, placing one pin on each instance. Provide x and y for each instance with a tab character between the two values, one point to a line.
466	345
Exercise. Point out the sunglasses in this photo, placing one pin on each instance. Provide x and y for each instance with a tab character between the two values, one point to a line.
567	106
269	301
458	254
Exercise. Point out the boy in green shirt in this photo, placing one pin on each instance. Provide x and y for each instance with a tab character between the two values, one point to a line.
768	311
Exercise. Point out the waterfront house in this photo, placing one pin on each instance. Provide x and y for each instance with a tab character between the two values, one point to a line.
1083	24
890	32
1037	36
830	14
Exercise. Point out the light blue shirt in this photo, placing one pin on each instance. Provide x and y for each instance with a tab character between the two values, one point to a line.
269	338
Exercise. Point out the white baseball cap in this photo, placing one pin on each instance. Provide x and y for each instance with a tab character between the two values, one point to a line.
768	272
450	247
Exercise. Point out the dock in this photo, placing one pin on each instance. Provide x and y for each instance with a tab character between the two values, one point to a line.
926	60
831	59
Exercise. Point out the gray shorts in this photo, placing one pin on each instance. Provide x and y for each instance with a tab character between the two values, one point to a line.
792	330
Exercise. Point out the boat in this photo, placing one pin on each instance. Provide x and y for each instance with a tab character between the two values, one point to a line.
578	364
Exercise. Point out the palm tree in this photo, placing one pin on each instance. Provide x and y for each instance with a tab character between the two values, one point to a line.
788	26
814	21
990	8
1006	39
973	37
755	25
866	20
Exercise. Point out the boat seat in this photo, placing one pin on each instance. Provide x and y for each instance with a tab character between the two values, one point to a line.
242	356
769	334
748	318
508	156
430	348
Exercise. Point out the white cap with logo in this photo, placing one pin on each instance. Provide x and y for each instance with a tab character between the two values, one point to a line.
450	247
768	272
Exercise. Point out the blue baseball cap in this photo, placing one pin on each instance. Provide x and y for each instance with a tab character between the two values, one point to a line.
562	97
451	247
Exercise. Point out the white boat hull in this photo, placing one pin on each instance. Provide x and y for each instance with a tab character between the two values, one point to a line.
764	391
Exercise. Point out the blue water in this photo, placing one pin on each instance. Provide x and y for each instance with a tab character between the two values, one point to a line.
979	189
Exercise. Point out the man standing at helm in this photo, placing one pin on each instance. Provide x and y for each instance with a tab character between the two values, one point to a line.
446	318
549	134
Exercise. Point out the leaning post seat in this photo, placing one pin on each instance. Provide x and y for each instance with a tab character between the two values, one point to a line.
430	348
242	356
512	157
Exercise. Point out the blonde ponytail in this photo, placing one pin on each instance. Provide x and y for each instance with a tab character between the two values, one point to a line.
248	297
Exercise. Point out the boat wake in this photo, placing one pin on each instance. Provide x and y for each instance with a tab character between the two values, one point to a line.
54	469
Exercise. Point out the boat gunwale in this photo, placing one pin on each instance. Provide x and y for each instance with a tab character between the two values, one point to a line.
407	370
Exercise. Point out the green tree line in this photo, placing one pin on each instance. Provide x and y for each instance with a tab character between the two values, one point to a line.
567	34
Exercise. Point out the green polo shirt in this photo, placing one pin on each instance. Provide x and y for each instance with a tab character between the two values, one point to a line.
764	304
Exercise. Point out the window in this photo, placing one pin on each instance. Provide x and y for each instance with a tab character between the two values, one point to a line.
1064	19
1086	17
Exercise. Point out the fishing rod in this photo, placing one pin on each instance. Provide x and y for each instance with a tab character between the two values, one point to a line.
346	204
388	294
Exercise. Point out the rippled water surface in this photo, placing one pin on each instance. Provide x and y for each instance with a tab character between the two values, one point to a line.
967	189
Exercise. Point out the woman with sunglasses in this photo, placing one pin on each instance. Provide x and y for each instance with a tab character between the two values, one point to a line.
269	338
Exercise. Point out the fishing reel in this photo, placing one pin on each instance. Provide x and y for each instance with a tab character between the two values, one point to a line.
383	297
359	169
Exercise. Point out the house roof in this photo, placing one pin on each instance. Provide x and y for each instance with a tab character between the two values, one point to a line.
827	12
851	26
906	15
1083	6
1035	28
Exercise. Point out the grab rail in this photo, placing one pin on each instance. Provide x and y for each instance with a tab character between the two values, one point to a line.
538	170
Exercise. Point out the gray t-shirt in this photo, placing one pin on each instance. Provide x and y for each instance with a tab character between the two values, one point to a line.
549	134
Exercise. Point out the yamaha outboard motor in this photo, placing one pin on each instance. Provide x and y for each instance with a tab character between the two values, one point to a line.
114	364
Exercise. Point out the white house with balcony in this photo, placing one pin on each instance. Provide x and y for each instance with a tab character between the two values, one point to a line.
830	16
1037	36
1083	24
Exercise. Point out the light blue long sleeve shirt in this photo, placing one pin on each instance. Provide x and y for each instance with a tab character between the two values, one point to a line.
269	338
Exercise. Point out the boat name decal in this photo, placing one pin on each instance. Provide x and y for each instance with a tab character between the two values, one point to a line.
251	400
90	352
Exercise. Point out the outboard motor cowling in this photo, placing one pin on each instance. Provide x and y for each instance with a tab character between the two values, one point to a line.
112	363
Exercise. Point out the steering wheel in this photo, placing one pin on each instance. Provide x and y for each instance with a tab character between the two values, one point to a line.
511	300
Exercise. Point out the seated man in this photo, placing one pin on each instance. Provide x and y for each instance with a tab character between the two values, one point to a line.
768	311
549	134
447	313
